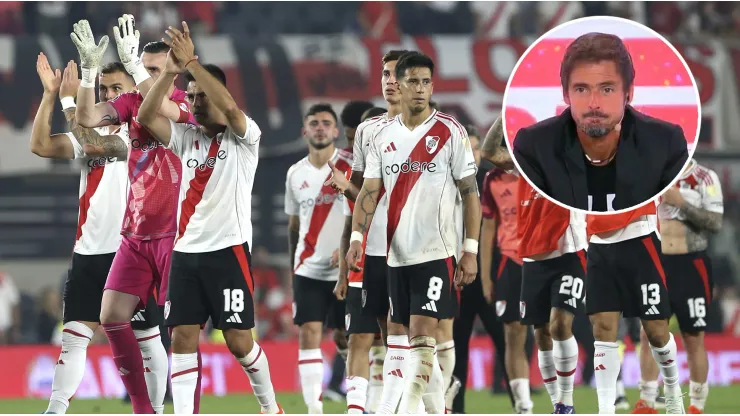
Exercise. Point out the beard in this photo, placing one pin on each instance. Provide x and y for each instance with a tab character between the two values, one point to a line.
596	130
318	145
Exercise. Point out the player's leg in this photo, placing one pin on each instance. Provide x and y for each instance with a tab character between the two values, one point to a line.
446	353
129	284
310	308
361	329
184	312
374	303
377	361
510	310
654	310
145	324
231	308
648	383
470	300
82	297
603	307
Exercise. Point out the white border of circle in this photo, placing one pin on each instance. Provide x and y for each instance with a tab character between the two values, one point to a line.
544	37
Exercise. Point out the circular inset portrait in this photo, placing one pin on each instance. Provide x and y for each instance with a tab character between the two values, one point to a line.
601	115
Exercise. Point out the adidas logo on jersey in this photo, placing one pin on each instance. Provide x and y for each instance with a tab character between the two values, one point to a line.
391	148
304	185
234	319
507	192
571	302
652	311
139	317
700	323
430	306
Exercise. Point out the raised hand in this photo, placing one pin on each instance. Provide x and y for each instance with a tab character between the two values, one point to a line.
90	53
50	79
180	43
127	39
70	81
173	65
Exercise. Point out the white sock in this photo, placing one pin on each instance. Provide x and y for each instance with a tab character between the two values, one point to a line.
549	377
666	358
70	367
649	391
434	396
698	393
606	371
375	386
420	373
156	365
446	357
395	371
520	390
184	380
356	395
258	370
565	356
311	371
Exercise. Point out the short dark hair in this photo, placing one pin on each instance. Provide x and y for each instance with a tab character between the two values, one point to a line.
156	47
413	60
434	105
595	47
351	115
213	70
321	108
113	67
472	130
393	55
373	112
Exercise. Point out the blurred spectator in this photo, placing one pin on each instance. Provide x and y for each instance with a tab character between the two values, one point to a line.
379	20
49	315
200	15
10	318
11	22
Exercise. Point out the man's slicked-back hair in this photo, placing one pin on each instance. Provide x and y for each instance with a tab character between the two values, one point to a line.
373	112
596	47
351	115
413	60
156	47
113	67
321	108
393	55
213	70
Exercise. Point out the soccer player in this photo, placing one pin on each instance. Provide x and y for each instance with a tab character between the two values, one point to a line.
688	213
103	186
413	157
351	117
624	273
314	231
211	263
141	265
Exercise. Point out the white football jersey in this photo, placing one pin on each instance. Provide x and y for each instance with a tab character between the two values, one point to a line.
419	169
215	210
377	242
103	190
700	187
320	213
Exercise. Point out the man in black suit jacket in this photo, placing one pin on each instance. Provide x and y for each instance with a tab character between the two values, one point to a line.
600	154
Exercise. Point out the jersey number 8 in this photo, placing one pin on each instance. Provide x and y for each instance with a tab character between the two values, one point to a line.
435	288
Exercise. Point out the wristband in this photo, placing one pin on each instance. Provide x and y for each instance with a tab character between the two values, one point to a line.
356	236
137	70
194	59
88	77
68	102
470	246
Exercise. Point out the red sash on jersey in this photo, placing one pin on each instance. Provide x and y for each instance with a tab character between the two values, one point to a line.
318	217
540	223
597	224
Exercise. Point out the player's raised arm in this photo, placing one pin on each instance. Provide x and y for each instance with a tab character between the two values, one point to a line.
42	142
182	46
494	148
89	114
149	116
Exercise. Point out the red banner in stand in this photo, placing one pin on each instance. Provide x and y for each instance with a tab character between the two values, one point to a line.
28	370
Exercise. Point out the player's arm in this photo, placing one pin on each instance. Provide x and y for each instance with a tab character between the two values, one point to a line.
468	189
340	291
494	148
367	202
149	117
709	215
43	143
294	229
487	237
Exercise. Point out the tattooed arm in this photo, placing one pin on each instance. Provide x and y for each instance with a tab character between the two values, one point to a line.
96	144
43	143
468	188
701	218
88	114
367	202
294	227
494	149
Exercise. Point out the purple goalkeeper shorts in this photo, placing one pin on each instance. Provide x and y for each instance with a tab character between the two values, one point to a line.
142	268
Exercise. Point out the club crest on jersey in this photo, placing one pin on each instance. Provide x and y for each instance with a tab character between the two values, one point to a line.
346	321
500	307
432	142
167	307
522	309
184	107
364	297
